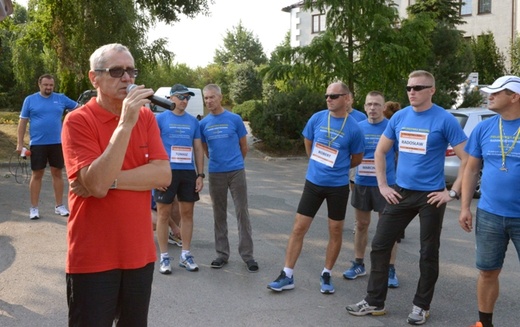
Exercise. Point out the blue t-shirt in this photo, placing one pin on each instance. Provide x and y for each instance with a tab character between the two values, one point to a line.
358	115
365	172
499	189
348	141
222	133
44	115
179	131
422	138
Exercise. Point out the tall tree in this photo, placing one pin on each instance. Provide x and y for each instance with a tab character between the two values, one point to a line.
450	59
240	45
446	11
489	61
71	30
514	56
247	84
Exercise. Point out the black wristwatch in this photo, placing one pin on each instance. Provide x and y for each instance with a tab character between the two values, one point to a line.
453	194
201	175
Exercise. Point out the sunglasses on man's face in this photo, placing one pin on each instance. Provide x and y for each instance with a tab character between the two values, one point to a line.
333	96
418	88
183	97
118	72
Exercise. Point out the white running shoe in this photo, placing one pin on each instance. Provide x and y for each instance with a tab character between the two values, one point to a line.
61	210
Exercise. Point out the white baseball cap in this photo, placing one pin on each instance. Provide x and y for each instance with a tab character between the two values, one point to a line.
509	82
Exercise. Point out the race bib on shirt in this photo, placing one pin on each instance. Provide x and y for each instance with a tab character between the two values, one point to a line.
181	154
324	154
413	142
367	167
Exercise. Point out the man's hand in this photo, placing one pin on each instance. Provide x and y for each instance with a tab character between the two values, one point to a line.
78	189
466	220
391	196
439	198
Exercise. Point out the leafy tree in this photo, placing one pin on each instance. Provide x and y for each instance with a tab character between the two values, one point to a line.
514	54
351	25
240	45
450	59
70	30
489	61
446	11
280	121
247	84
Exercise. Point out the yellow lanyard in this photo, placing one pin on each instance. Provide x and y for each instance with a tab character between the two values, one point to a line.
328	129
504	154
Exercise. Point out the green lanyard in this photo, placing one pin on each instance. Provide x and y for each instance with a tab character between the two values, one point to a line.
328	129
504	154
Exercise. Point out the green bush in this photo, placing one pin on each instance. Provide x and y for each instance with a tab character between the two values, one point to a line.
279	122
245	109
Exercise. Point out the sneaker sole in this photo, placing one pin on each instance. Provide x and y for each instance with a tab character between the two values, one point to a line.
165	272
417	323
327	291
283	288
364	313
352	278
393	286
187	268
34	218
59	214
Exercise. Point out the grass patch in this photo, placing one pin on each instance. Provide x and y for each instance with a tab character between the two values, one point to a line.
8	132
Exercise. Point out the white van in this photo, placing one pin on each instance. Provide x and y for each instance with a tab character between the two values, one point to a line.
195	105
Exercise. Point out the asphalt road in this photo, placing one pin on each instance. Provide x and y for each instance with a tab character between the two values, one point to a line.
32	256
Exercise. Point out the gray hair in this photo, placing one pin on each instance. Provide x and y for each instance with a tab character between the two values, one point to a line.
213	87
98	58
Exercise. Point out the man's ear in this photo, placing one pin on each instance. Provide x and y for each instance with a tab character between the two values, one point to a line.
92	77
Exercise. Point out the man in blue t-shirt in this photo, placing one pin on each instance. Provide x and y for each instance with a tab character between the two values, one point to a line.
422	131
224	141
493	147
334	143
365	192
44	110
180	133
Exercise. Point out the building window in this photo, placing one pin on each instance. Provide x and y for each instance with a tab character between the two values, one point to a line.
484	6
318	23
465	7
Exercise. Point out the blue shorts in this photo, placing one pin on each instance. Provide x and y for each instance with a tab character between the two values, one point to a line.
492	235
313	196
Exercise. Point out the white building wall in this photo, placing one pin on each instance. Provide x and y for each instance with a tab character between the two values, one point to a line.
503	22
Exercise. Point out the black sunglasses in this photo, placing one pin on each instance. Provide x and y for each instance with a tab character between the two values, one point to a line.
418	88
182	97
333	96
118	72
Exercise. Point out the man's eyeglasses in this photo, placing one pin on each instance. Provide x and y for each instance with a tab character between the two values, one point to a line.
418	88
118	72
333	96
182	97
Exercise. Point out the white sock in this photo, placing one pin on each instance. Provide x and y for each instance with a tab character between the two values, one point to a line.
184	254
288	272
165	255
326	270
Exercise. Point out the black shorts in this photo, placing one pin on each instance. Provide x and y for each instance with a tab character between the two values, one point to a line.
51	153
313	196
182	185
367	198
